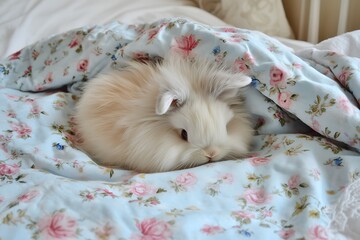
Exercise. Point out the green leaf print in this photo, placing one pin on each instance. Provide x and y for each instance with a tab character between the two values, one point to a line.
301	206
320	105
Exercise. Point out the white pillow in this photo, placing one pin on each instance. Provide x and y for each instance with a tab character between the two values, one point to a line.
267	16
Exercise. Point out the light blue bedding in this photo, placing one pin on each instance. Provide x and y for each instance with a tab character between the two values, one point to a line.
305	112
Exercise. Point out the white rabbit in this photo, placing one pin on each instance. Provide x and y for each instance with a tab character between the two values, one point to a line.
160	117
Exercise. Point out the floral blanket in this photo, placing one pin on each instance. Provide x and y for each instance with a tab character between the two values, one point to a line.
306	149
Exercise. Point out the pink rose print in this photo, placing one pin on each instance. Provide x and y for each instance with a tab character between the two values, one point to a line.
277	77
141	189
58	226
345	105
276	146
315	173
248	58
317	233
48	62
256	196
106	192
258	161
153	32
89	196
243	215
227	178
186	44
39	87
27	72
212	230
73	138
229	29
11	113
29	100
13	97
49	78
237	38
344	76
297	65
22	130
74	42
266	213
27	197
286	233
15	56
35	54
284	99
294	182
59	104
5	139
240	65
82	65
278	115
35	110
315	124
186	179
243	64
6	169
152	229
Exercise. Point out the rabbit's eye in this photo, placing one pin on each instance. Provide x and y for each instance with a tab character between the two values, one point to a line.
176	103
184	135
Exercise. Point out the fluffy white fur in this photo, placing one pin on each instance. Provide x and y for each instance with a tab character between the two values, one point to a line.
134	118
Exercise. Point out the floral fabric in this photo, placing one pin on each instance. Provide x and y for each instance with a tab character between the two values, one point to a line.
305	151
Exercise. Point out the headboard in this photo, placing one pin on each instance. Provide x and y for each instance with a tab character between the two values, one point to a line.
316	20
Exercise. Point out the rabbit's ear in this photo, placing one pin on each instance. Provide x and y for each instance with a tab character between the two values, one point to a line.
166	101
230	84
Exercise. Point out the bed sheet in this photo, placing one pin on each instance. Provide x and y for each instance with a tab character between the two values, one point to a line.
305	153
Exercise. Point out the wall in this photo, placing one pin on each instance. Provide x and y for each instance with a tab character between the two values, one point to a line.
328	20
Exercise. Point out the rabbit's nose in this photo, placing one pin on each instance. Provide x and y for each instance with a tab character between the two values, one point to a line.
211	152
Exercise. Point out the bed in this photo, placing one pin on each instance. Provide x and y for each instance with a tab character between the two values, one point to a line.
299	182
